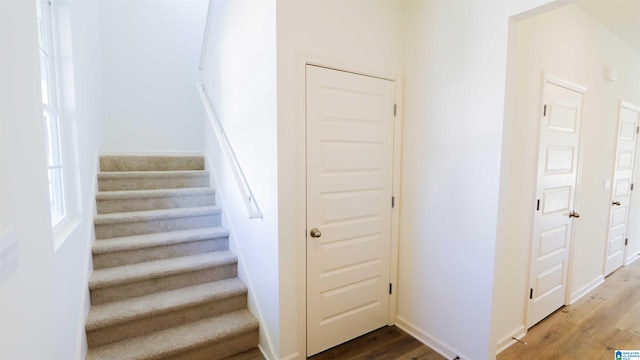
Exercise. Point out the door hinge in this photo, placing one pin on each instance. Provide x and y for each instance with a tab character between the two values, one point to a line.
531	293
544	112
538	205
395	109
631	186
393	201
390	288
626	242
637	129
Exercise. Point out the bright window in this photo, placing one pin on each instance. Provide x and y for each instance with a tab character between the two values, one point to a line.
51	108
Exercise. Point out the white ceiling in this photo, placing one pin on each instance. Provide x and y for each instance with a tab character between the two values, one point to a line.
620	16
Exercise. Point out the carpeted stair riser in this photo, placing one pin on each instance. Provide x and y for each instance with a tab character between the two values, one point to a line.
149	180
135	256
148	325
151	163
165	320
220	350
210	338
149	286
139	200
107	227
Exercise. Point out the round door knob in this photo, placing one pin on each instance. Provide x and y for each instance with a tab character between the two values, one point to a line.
616	203
574	214
315	233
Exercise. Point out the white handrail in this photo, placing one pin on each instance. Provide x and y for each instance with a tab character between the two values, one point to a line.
205	36
253	210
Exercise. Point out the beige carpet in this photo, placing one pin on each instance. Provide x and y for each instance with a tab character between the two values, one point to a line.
164	284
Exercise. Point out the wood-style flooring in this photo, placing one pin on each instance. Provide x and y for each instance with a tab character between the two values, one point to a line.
388	343
606	319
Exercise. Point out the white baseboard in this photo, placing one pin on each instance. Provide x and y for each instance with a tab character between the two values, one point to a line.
266	345
507	341
631	259
433	343
586	289
294	356
85	303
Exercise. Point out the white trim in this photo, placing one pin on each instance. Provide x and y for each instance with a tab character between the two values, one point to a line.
508	340
205	36
586	289
293	356
396	192
430	341
253	305
629	106
565	84
85	303
305	59
631	259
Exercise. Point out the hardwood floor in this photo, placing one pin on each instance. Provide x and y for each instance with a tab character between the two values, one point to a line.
388	343
604	320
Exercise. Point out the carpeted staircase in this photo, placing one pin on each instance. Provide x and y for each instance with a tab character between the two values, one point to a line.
164	283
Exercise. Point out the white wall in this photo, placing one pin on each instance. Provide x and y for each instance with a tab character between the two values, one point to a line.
454	109
568	44
42	302
240	79
150	55
361	35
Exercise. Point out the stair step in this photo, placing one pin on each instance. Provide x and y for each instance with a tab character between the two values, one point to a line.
150	163
147	180
129	281
212	338
139	200
155	221
124	319
149	247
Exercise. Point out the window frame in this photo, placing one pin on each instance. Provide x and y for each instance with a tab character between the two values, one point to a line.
51	104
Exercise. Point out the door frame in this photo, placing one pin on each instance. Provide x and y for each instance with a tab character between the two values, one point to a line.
309	59
547	78
629	106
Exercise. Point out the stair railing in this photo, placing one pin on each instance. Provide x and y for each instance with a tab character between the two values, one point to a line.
250	203
205	36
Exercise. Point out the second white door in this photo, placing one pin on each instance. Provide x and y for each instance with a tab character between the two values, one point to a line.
349	183
621	187
556	193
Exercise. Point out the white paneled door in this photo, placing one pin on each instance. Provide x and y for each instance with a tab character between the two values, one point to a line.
621	187
349	121
555	210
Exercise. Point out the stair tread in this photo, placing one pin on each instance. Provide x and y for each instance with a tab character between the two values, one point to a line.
158	268
134	242
177	339
150	174
147	215
108	314
152	193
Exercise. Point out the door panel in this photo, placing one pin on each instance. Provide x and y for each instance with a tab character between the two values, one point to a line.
557	176
621	190
349	179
